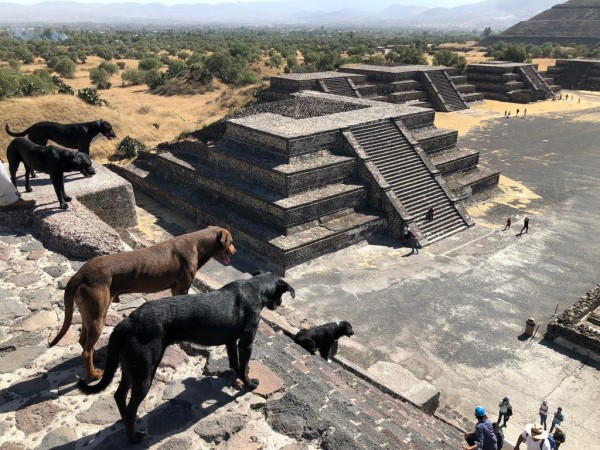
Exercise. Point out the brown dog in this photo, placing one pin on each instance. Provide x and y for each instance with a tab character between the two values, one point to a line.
169	265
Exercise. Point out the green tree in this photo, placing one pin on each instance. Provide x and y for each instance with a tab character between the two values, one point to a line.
408	54
109	67
449	59
487	32
149	64
65	67
133	76
101	78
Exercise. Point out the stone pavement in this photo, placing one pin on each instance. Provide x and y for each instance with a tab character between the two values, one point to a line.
302	401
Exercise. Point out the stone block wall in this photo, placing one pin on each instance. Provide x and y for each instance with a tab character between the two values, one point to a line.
572	326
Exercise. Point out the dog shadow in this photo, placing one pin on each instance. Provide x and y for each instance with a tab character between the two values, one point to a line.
183	405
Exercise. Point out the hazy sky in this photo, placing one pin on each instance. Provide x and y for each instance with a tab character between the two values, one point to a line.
349	3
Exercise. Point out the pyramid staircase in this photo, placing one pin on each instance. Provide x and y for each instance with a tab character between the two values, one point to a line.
339	86
535	81
442	90
576	74
412	180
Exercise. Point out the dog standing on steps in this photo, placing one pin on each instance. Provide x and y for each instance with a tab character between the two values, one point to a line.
229	316
72	135
322	337
169	265
54	161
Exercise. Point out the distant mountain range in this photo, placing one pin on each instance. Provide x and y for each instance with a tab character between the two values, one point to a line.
498	14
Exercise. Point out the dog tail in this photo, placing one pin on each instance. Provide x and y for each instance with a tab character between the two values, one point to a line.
115	342
16	134
69	300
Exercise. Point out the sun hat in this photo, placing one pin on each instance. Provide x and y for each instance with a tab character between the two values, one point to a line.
479	411
536	431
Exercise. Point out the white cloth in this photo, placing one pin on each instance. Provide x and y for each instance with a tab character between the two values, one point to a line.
8	192
535	445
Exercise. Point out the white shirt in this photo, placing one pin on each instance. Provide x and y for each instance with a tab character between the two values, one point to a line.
535	445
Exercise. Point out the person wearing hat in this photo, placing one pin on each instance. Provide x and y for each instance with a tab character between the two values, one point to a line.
534	437
505	411
483	438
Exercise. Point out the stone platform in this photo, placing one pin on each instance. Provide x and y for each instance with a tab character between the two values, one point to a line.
581	74
303	177
100	205
511	82
435	87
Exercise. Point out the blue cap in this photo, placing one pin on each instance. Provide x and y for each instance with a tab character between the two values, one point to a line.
479	411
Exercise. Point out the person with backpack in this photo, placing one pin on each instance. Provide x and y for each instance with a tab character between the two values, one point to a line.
534	437
483	438
505	411
499	435
559	437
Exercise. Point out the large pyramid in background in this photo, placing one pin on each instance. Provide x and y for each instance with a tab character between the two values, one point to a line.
576	21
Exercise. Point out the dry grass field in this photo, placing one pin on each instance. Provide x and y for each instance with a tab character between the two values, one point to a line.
133	110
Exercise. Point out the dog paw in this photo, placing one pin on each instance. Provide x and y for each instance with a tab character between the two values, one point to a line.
137	437
29	189
64	206
67	198
96	374
251	384
33	175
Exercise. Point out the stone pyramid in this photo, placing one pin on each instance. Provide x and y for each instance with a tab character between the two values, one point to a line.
573	22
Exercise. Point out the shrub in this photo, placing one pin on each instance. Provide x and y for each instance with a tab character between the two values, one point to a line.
149	64
101	78
37	83
110	68
129	148
133	76
449	59
153	78
9	82
65	67
247	77
63	88
121	65
408	54
175	68
91	96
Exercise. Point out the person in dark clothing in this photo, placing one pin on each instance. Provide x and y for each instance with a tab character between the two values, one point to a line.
415	242
525	228
430	214
483	438
508	224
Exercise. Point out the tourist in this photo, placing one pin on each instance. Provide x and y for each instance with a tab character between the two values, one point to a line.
534	437
558	419
517	115
508	116
483	438
505	410
505	113
525	113
415	243
499	435
579	101
9	197
567	97
543	413
508	224
525	228
559	437
405	233
430	214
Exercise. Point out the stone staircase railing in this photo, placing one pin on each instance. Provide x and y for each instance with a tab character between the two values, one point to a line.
441	89
535	80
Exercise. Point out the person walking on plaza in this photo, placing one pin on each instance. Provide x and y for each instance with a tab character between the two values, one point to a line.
483	438
9	197
415	242
543	413
558	419
505	411
508	224
559	437
406	233
534	437
525	113
517	115
430	214
525	228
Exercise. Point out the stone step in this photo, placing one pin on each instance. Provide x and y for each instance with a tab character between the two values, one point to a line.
455	159
405	96
242	162
279	251
281	213
433	140
473	181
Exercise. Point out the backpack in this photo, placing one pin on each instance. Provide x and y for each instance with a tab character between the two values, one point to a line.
499	439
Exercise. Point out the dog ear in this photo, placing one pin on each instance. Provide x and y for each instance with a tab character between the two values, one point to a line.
219	238
258	272
288	288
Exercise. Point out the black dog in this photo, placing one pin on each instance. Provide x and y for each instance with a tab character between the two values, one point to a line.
323	336
72	135
54	161
229	316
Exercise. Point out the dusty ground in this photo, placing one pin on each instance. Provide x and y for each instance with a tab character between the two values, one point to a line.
133	110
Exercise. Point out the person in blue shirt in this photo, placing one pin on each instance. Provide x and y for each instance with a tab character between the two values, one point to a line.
483	438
